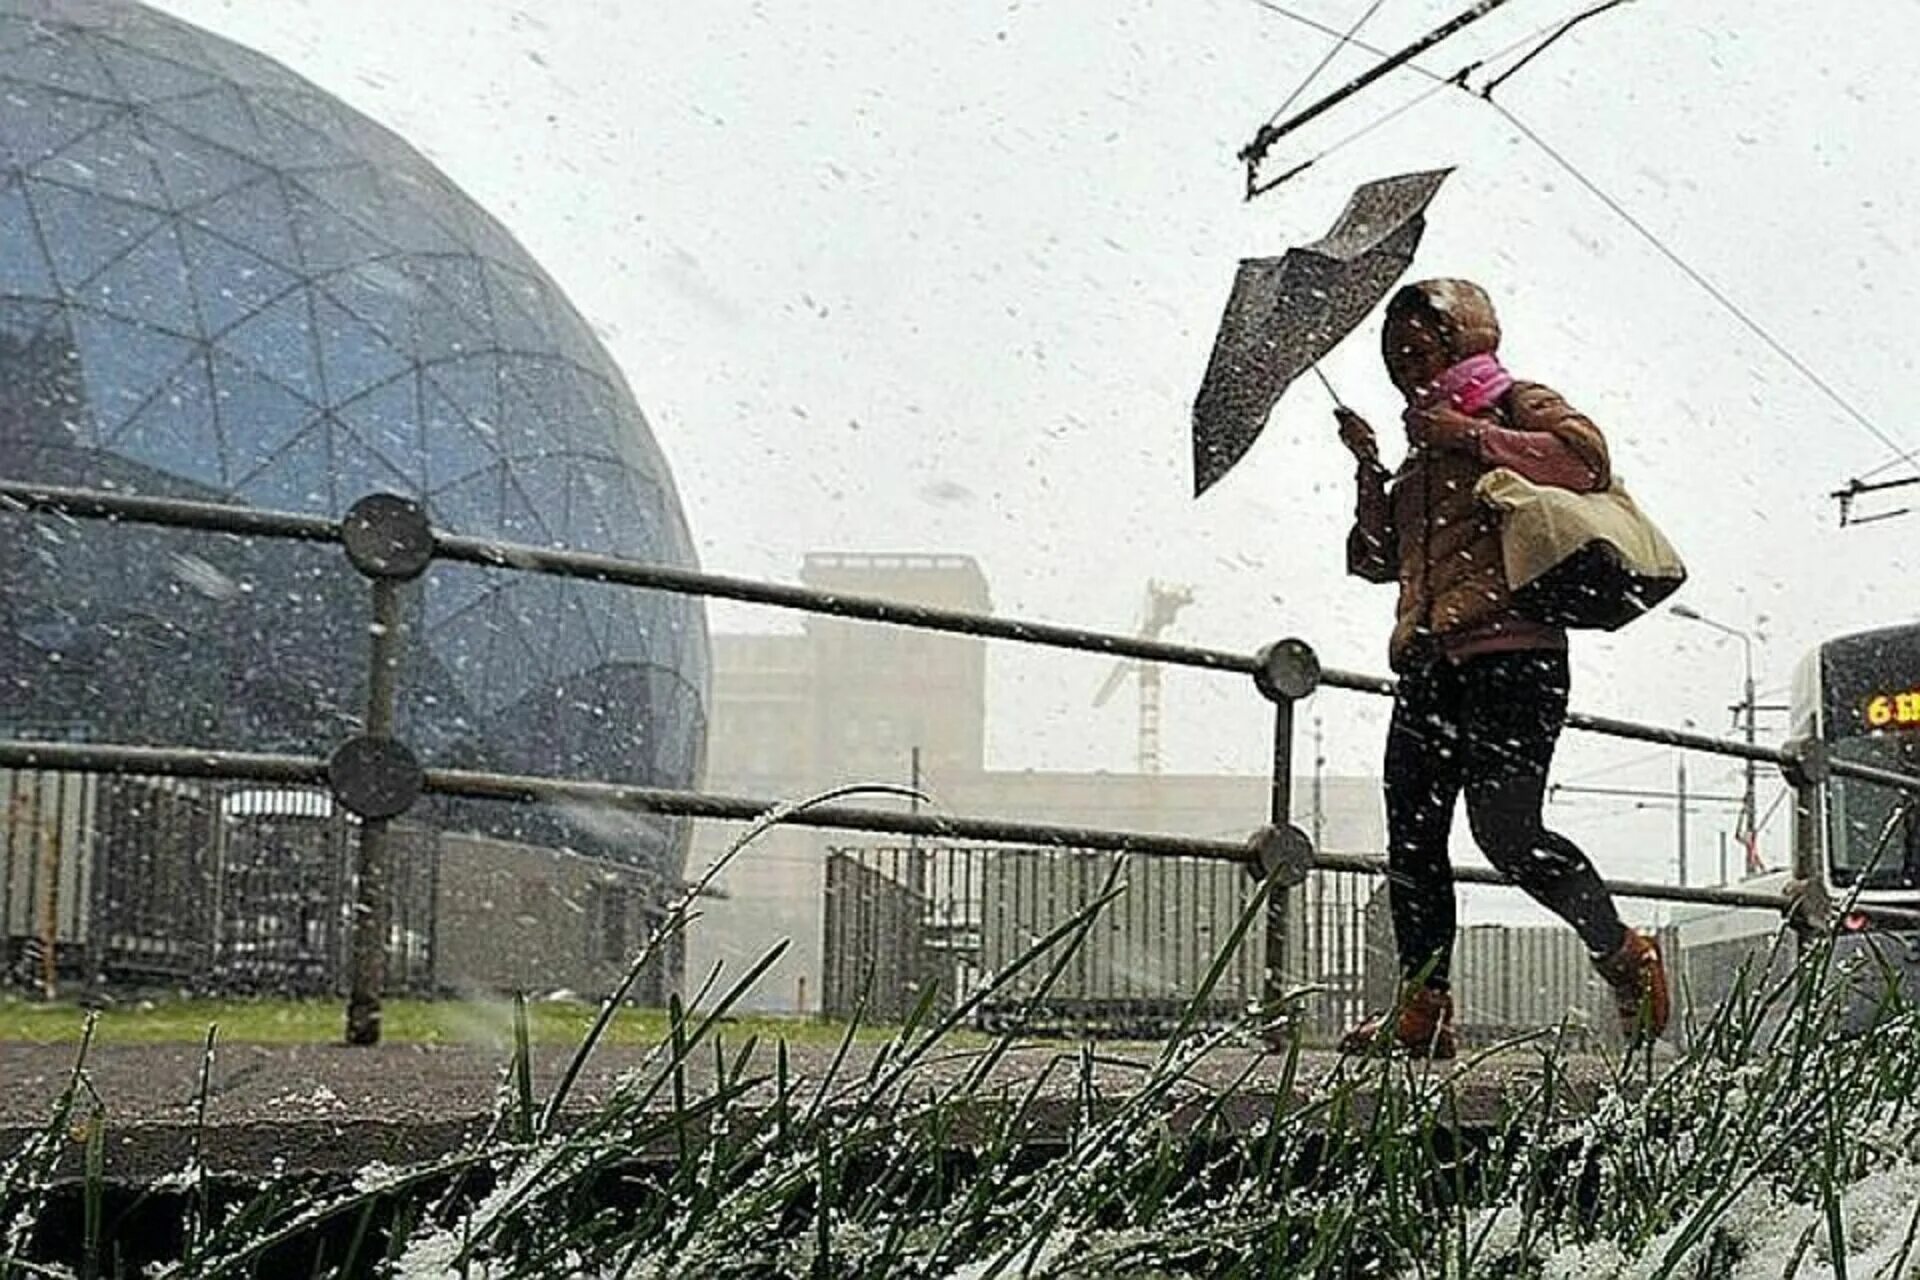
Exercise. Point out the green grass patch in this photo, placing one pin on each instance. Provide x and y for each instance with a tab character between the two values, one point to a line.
450	1022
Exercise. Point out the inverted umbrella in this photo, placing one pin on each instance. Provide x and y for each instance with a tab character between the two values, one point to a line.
1286	313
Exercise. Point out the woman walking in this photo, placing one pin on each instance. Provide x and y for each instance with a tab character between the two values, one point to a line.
1482	691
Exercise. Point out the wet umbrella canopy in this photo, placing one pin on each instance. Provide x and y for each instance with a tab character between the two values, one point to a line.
1286	313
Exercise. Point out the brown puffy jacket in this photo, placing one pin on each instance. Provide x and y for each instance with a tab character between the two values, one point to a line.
1428	531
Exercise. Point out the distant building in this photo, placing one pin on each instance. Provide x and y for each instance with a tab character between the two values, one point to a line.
847	701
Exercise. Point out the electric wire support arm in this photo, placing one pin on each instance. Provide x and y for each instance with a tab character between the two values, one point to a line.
1255	152
1857	488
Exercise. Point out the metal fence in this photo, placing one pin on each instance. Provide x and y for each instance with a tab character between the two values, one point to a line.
159	883
1335	955
389	540
958	921
901	924
166	882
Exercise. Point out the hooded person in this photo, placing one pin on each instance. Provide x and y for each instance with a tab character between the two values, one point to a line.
1482	693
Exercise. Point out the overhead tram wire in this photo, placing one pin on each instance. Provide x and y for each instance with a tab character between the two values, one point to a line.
1547	34
1256	151
1641	760
1882	469
1712	290
1459	80
1295	16
1486	90
1346	39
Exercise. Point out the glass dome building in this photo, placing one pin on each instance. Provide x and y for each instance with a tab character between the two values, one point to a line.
219	282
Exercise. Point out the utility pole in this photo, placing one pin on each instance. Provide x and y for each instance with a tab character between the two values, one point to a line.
1319	788
913	802
1749	808
1749	709
916	861
1680	831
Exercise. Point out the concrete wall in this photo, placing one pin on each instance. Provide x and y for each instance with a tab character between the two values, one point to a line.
774	890
513	917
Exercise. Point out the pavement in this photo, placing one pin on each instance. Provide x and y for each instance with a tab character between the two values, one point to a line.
334	1109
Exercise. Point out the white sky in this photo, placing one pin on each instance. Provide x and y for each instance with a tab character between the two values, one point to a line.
945	277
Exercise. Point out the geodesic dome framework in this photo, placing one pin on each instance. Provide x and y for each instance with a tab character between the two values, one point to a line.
218	281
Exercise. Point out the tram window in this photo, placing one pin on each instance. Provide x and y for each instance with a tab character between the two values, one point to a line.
1860	813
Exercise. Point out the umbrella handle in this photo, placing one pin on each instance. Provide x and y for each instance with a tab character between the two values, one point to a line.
1337	401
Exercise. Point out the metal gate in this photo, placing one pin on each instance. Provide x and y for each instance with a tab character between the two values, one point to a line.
154	859
286	893
1327	952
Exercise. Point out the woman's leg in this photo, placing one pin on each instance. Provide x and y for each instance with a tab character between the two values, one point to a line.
1516	705
1423	769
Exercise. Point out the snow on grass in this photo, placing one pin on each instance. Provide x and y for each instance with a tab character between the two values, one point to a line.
1777	1144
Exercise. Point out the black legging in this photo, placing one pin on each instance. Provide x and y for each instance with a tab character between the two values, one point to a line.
1487	726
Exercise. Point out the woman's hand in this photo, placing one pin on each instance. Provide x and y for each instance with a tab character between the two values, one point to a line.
1357	436
1442	427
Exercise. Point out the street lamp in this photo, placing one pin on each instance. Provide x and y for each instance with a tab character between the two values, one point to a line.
1749	815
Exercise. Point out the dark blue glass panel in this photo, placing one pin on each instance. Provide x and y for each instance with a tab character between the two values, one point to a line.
258	417
145	78
117	162
124	363
387	420
278	340
256	217
359	471
192	172
355	359
23	267
298	475
176	431
85	233
230	283
148	283
219	116
456	448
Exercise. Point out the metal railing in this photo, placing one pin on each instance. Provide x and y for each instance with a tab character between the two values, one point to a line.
389	541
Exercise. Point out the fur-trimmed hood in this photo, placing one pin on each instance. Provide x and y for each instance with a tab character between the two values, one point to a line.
1468	323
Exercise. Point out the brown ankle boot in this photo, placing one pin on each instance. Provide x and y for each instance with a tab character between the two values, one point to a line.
1639	981
1422	1025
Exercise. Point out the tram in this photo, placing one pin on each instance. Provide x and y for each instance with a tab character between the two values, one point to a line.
1856	843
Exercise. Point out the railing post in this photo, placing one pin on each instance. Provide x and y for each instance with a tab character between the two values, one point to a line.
94	842
1808	768
373	870
374	775
1280	852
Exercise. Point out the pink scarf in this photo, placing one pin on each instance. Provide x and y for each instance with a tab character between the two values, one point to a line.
1472	386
